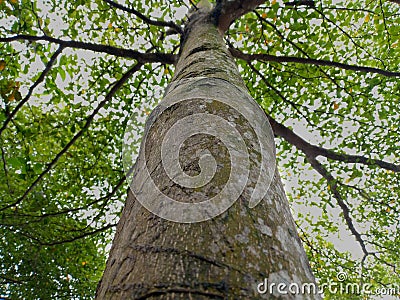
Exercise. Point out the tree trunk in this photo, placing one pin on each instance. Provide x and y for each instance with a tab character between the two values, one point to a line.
211	255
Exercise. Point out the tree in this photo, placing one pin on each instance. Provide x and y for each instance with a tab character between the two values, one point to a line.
229	255
324	73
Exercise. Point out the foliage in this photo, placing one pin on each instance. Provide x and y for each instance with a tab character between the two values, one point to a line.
327	72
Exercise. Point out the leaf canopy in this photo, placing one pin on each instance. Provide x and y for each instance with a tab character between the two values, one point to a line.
71	73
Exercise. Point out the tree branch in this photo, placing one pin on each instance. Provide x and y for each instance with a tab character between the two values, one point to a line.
9	280
89	120
314	151
105	199
144	18
282	36
309	3
164	58
83	235
310	61
334	189
353	40
3	159
72	239
277	92
227	11
37	82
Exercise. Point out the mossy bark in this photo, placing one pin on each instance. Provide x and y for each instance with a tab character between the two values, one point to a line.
227	256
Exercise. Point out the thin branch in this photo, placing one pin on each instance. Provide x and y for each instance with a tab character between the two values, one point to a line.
9	280
314	151
280	34
284	99
164	58
379	245
304	237
392	265
89	120
144	18
47	69
324	112
3	158
86	234
310	61
105	199
70	240
345	209
350	9
348	36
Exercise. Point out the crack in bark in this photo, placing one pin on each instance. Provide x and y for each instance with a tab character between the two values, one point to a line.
202	48
154	249
191	64
204	72
182	291
159	288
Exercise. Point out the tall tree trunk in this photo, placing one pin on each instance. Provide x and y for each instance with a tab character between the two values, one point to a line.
228	256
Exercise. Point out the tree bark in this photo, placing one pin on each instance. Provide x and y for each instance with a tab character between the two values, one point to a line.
225	257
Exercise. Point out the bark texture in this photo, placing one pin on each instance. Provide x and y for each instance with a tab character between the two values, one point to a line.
227	256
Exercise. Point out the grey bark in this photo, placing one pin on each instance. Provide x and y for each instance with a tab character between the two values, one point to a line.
222	258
